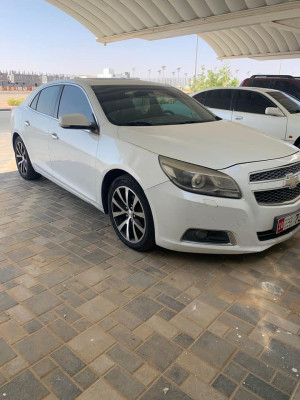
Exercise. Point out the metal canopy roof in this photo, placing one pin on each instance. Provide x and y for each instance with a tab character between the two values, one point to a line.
260	29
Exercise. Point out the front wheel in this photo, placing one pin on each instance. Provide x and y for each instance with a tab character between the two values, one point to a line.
130	214
23	161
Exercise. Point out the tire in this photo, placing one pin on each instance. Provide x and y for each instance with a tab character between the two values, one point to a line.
23	161
130	214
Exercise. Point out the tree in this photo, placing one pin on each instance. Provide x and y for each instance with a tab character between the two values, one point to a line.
221	77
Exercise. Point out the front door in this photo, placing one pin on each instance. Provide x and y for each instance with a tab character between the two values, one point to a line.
73	151
249	109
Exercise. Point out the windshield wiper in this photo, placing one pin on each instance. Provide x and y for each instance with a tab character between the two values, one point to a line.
138	123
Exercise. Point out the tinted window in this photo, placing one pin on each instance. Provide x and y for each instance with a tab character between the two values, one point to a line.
218	99
47	100
263	83
149	105
74	101
34	101
251	102
288	102
200	97
287	87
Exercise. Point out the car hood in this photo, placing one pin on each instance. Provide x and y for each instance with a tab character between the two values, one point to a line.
216	145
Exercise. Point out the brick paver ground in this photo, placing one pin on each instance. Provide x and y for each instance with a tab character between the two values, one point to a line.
82	316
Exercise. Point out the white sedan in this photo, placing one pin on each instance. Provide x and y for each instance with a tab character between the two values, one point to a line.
165	168
270	111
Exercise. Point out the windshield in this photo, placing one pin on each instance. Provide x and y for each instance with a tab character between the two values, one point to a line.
290	103
141	105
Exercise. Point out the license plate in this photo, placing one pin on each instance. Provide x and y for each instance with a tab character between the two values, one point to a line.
287	221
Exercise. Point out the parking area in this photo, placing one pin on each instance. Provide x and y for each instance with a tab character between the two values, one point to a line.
82	316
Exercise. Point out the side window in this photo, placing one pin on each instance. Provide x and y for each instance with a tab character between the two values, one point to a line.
251	102
220	99
74	101
287	87
34	101
47	99
200	97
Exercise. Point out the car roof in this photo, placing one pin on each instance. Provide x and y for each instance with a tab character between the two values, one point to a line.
252	89
106	81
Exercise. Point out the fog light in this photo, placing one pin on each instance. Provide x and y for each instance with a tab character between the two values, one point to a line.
206	236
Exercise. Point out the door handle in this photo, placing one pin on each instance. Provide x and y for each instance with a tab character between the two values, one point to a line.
27	123
238	117
54	136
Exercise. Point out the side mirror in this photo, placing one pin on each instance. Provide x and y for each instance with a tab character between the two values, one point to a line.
274	111
76	121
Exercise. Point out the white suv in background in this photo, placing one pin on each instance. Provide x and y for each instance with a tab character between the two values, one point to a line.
270	111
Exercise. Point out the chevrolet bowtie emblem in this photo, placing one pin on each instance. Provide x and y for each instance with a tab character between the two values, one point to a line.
292	181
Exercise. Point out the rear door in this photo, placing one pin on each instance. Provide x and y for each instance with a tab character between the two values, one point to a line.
219	102
73	151
37	119
249	109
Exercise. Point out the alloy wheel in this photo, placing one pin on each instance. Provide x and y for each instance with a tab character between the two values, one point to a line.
21	157
128	214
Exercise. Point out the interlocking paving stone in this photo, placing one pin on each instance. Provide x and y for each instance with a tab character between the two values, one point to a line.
37	345
141	280
25	386
184	340
62	330
6	301
6	353
42	303
235	372
282	356
86	378
213	349
91	343
67	360
9	273
243	394
284	383
247	313
224	385
64	288
255	366
124	383
125	336
156	392
97	308
143	307
43	367
62	386
177	374
159	351
263	390
124	358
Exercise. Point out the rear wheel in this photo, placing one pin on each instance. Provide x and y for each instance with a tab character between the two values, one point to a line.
23	161
130	214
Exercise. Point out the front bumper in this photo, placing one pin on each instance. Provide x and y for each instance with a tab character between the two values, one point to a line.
175	211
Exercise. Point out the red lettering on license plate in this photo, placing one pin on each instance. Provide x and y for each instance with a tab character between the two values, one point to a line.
280	225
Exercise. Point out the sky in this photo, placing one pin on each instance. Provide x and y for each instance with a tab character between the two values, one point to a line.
36	36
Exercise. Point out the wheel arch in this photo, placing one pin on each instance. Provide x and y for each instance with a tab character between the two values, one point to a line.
106	183
14	137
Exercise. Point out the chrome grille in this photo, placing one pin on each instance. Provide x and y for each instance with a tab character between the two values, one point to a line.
277	196
272	174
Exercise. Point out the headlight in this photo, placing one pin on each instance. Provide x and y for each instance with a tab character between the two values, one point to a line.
196	179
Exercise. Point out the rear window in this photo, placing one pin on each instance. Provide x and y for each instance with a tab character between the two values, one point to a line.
262	83
47	100
220	99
